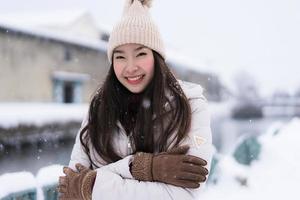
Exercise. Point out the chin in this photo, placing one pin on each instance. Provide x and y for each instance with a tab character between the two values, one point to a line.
135	90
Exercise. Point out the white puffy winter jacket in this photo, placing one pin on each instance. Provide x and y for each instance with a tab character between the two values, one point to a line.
114	181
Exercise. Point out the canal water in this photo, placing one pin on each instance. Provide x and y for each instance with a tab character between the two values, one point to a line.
33	157
226	132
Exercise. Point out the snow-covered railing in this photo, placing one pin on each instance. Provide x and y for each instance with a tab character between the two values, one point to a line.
26	186
20	185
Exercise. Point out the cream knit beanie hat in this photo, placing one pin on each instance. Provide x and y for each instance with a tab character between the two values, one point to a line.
136	26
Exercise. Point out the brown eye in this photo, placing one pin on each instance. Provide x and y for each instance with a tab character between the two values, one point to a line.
142	54
119	57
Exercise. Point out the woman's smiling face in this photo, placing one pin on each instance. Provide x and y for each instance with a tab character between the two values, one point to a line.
134	66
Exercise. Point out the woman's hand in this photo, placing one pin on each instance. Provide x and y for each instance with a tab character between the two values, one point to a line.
76	185
172	167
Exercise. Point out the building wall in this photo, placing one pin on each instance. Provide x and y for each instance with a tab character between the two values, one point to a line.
28	62
210	82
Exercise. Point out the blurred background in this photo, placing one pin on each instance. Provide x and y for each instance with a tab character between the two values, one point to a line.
244	53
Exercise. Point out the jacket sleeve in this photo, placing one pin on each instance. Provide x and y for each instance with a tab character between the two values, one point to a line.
111	186
78	155
200	137
114	181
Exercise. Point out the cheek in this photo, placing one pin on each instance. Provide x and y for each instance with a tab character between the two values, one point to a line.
118	69
148	65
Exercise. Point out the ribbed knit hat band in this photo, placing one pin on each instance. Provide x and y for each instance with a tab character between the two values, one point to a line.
136	26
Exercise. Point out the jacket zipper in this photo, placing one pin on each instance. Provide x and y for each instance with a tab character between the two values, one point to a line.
129	144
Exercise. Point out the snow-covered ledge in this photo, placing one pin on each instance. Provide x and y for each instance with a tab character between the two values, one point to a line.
38	114
70	76
31	123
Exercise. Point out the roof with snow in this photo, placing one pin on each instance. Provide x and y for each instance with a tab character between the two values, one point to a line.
82	42
30	24
54	17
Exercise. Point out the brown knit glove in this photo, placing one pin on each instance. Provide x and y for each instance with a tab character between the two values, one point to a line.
172	167
77	185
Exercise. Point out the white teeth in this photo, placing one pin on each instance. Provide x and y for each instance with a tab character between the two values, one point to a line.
134	78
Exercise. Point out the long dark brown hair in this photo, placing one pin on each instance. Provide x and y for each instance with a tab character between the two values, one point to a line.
152	117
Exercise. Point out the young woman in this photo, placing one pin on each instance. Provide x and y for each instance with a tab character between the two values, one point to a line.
147	135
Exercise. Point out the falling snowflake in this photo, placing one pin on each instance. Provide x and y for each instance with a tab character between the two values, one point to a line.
1	147
146	103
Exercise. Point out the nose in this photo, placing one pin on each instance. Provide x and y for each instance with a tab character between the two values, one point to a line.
131	67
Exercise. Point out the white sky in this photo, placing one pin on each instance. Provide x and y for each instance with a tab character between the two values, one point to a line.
258	36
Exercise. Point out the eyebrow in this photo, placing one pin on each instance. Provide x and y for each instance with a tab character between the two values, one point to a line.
137	49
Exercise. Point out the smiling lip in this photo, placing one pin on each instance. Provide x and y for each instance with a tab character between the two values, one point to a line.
135	80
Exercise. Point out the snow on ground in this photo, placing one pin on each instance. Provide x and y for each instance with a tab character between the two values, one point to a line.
13	114
274	176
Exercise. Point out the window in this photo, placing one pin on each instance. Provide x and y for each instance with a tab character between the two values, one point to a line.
67	56
67	86
68	92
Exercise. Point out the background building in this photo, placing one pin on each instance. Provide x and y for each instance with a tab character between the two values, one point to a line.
63	59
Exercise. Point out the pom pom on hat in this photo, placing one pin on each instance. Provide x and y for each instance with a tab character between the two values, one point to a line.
147	3
136	26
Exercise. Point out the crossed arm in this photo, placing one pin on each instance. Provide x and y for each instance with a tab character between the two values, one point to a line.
115	180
